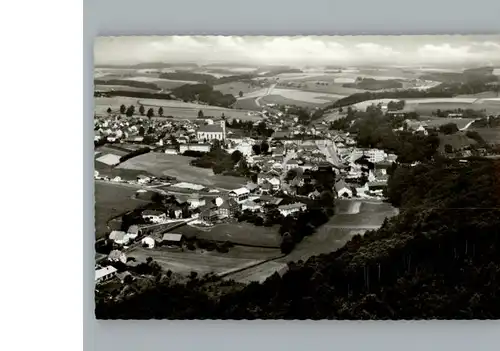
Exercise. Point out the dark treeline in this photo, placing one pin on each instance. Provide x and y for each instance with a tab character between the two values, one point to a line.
204	93
134	94
438	259
374	84
135	153
126	82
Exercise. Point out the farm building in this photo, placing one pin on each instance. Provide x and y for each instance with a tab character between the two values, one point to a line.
172	239
377	185
109	159
148	242
133	231
117	256
226	208
195	201
119	237
239	195
251	206
104	274
286	210
143	179
194	147
342	189
154	216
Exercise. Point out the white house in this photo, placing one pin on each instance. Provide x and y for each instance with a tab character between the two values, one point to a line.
119	237
291	164
133	231
251	206
104	274
194	147
275	182
142	179
342	189
154	216
239	195
286	210
117	256
195	201
148	241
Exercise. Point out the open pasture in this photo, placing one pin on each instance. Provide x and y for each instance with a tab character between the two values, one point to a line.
457	141
490	135
188	261
177	109
112	200
160	164
439	121
352	217
238	233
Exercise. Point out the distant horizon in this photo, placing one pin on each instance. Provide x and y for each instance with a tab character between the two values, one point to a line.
313	51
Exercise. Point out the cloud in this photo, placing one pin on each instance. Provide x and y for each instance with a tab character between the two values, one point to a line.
306	50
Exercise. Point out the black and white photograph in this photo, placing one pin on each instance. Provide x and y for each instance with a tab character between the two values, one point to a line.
297	177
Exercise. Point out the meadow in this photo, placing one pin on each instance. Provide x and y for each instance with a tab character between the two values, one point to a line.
112	200
177	166
177	109
200	261
240	233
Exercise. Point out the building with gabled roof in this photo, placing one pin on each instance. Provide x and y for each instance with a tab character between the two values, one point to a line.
104	274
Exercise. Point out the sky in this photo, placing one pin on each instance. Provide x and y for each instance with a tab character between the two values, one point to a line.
301	50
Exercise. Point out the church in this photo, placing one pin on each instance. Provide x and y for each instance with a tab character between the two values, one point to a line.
212	131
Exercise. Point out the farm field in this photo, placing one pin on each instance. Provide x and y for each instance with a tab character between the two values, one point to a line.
112	200
259	273
439	121
187	261
173	108
490	135
161	164
234	88
306	96
457	141
238	233
104	87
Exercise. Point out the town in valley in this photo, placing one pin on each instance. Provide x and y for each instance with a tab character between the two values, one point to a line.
224	175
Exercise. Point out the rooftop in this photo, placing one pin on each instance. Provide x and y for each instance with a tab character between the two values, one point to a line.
104	272
172	237
210	128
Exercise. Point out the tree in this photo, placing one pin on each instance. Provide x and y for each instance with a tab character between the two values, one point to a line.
150	113
109	110
240	93
256	149
130	111
287	243
264	147
200	114
236	156
448	128
142	131
142	110
160	112
123	109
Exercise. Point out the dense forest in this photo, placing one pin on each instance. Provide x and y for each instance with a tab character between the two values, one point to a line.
204	93
374	84
437	259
